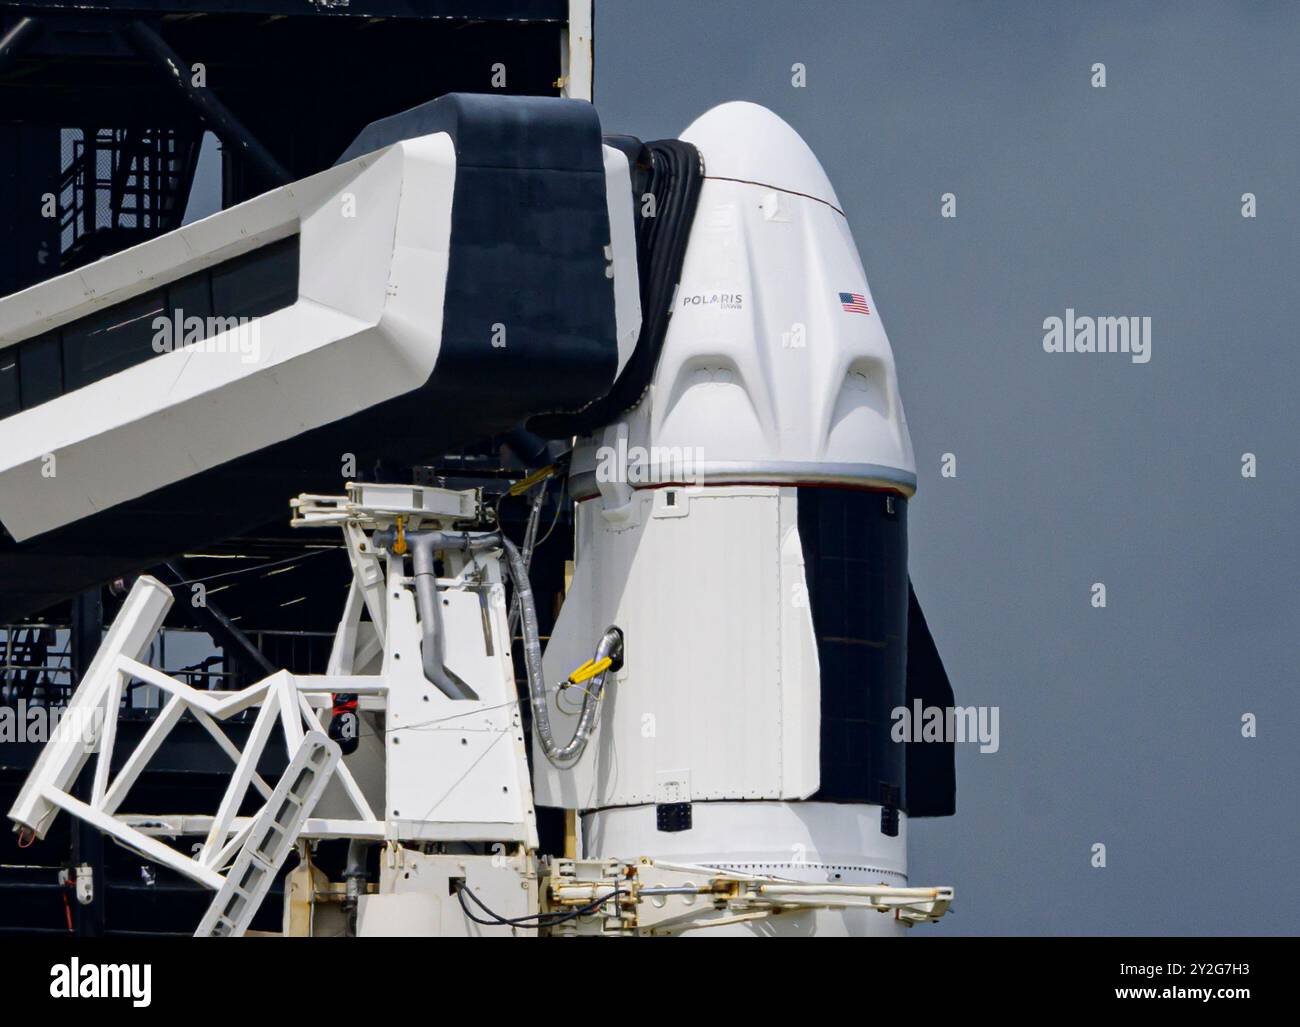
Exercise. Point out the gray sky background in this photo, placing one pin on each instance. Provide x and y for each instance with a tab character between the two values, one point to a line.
1120	725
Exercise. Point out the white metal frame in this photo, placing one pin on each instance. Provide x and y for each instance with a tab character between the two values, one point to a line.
577	56
432	745
89	728
665	898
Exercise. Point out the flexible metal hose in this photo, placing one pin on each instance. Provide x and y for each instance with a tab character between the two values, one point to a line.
423	544
611	645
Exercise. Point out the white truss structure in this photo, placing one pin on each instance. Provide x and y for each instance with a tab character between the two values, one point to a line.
256	845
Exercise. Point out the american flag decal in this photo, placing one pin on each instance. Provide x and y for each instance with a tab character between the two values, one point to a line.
854	303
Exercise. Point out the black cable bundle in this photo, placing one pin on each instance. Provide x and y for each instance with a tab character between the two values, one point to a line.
533	920
672	172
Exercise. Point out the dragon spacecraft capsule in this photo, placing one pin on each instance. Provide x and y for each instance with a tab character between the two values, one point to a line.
745	524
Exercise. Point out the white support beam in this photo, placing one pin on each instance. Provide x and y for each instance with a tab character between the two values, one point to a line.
290	713
168	717
325	684
343	651
72	743
239	781
237	838
229	748
173	825
577	54
217	704
108	736
142	843
330	827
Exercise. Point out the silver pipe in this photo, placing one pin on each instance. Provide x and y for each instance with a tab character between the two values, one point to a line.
354	877
423	544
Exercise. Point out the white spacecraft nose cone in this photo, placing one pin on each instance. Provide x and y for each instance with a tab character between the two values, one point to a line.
747	142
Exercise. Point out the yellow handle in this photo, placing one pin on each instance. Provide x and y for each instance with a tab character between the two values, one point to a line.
520	487
589	670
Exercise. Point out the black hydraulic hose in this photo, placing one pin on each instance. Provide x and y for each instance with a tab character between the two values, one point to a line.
552	919
675	177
